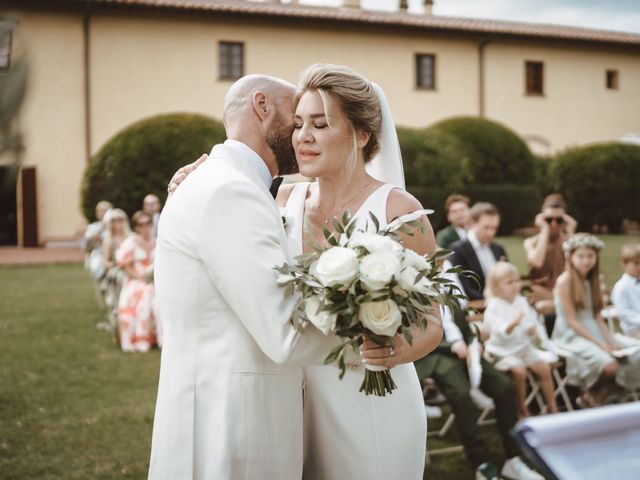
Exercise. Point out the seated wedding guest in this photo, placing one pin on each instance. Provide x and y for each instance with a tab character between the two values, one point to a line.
457	208
544	253
580	329
512	325
478	253
625	295
152	206
92	241
117	230
448	368
137	319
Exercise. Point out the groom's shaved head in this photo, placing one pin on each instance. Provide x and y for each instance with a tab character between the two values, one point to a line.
241	93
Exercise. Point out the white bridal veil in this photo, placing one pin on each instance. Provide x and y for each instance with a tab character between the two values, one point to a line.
386	166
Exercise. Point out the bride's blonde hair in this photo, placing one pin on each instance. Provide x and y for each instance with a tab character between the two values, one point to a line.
497	274
357	99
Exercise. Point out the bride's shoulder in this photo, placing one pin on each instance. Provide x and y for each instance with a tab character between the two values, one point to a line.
401	202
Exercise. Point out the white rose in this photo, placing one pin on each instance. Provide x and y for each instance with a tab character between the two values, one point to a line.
378	269
336	266
323	321
373	242
412	259
407	280
382	318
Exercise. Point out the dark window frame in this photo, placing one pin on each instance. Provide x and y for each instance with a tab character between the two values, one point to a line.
226	68
4	68
612	79
421	84
534	78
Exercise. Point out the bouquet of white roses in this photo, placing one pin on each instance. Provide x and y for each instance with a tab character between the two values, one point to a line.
367	283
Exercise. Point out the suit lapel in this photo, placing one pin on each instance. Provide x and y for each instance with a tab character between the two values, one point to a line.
231	157
454	233
222	153
474	263
498	252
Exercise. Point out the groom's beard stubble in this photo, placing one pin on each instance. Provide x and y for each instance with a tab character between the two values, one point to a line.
279	140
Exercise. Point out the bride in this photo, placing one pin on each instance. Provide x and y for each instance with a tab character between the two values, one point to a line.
344	136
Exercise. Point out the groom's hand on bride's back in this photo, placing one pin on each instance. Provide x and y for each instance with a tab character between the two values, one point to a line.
182	173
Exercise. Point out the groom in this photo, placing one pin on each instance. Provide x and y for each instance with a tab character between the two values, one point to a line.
230	394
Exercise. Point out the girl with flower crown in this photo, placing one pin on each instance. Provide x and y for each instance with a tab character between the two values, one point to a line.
580	329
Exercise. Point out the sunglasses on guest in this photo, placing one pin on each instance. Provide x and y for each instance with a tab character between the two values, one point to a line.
143	224
558	220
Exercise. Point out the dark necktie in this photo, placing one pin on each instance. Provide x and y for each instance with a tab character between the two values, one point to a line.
275	185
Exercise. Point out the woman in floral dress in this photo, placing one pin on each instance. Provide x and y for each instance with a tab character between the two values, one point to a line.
137	319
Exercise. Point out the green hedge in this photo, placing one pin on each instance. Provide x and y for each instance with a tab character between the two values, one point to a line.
476	157
433	198
430	158
599	183
142	158
489	152
518	204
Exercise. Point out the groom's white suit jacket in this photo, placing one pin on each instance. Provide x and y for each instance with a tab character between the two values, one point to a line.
230	394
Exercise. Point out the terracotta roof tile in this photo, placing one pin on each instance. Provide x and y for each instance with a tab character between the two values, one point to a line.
398	19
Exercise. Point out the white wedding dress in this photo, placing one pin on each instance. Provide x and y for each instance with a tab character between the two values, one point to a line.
349	435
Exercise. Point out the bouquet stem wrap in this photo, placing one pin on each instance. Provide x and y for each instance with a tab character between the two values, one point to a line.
377	381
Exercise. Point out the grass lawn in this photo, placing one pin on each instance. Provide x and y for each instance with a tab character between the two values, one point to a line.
72	406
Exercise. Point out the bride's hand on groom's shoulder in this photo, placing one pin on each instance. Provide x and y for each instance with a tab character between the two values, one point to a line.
383	355
183	172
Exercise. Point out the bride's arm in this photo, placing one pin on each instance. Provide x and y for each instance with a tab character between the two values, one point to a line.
425	341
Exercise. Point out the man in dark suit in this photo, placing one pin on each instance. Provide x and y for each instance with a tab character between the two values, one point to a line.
478	253
457	208
447	364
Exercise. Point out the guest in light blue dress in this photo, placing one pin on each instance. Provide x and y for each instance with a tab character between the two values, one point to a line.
580	329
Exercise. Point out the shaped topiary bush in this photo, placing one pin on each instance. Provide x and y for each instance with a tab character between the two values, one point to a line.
142	158
599	183
476	157
489	152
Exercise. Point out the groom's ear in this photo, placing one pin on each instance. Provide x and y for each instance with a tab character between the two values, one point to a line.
261	105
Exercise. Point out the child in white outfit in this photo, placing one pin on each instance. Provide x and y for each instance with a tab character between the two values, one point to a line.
512	324
626	292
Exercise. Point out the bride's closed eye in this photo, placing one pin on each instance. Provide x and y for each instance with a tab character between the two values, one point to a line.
319	126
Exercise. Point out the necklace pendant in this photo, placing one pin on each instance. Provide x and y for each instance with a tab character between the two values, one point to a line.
326	221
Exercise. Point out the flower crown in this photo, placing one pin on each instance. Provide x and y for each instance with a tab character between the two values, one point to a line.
577	241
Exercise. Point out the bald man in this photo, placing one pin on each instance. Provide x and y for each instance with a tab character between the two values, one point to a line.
151	205
230	393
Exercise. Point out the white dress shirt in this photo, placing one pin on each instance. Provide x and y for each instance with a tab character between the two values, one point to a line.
452	333
625	296
462	233
483	252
